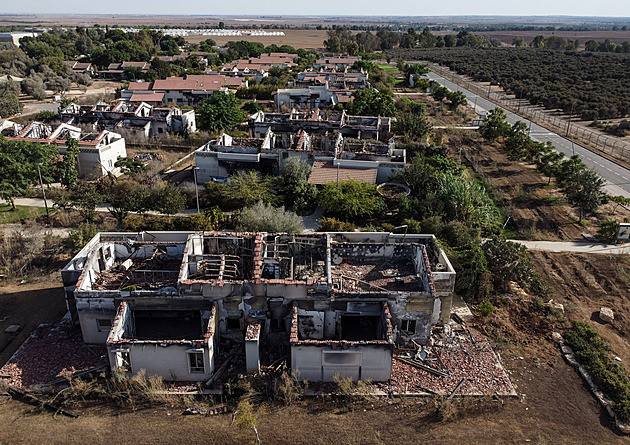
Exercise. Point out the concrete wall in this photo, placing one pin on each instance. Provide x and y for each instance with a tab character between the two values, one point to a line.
321	363
96	162
169	361
89	310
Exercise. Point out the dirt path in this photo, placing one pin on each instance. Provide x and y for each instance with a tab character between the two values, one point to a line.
537	209
578	247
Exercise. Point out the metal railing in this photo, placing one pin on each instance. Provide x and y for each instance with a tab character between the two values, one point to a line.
611	146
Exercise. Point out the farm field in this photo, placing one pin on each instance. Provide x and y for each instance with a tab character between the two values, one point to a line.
298	38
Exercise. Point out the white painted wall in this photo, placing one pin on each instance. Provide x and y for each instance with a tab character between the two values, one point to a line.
321	363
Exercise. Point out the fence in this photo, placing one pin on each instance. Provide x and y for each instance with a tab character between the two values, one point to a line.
611	146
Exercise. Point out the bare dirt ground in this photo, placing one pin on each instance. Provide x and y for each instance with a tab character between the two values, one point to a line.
555	409
297	38
28	305
99	90
537	210
584	283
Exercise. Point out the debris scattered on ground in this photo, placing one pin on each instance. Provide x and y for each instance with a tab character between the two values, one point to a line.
51	351
473	368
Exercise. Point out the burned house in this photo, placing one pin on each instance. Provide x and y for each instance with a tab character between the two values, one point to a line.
339	302
371	159
98	152
317	122
135	120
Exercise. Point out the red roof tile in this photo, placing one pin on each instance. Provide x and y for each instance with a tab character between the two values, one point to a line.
147	97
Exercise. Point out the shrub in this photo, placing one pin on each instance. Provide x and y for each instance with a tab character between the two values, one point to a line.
334	225
79	238
608	230
352	200
263	217
485	307
593	353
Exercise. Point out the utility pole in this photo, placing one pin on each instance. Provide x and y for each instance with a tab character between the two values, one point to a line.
570	114
43	192
196	191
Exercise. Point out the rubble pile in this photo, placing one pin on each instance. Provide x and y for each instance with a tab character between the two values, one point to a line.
51	351
389	274
465	355
150	273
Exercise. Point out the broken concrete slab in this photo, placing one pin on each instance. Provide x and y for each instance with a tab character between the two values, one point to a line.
13	329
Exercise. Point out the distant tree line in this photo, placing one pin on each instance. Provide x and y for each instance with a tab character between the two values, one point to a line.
342	40
593	85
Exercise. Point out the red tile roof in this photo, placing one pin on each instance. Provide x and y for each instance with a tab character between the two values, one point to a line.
325	172
139	86
147	97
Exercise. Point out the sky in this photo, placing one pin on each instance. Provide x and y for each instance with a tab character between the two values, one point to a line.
602	8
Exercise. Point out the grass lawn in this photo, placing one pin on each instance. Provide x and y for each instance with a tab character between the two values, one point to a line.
389	69
9	216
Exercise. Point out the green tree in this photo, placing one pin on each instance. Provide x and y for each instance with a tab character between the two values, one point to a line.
130	166
608	230
263	217
168	199
495	125
298	193
85	197
351	200
518	42
67	167
412	126
517	142
370	102
125	196
455	99
549	162
249	187
18	166
584	190
10	105
509	261
440	93
34	87
220	112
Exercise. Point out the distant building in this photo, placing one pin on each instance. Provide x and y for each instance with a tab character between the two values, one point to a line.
140	120
332	157
81	67
15	37
188	90
98	152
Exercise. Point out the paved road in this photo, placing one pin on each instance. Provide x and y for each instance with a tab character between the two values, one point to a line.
617	177
574	246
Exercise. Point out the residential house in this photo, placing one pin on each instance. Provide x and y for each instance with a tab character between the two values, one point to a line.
127	118
161	301
332	157
317	122
98	152
117	70
80	67
188	90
